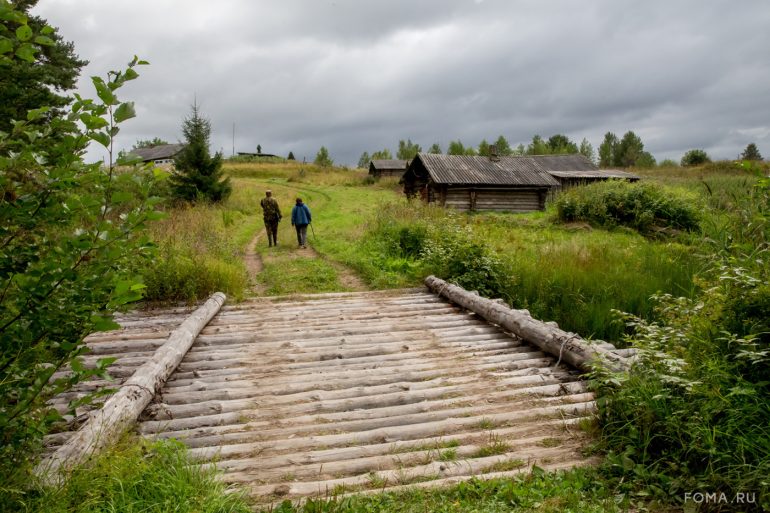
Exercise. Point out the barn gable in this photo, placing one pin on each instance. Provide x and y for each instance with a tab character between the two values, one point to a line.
161	154
388	167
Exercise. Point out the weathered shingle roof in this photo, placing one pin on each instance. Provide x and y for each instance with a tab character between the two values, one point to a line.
598	173
463	169
578	166
389	164
163	151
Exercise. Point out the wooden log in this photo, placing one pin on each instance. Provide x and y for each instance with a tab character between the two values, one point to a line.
568	347
417	473
125	406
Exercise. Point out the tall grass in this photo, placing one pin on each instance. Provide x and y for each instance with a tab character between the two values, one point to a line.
573	276
198	254
133	477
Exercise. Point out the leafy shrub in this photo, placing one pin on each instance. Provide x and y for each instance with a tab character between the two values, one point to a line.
692	413
431	240
70	233
642	206
695	158
412	240
453	255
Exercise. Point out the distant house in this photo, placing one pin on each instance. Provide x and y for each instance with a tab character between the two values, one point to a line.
575	169
517	184
388	167
161	154
256	155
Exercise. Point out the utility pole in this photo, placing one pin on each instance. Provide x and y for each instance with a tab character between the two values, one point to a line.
233	139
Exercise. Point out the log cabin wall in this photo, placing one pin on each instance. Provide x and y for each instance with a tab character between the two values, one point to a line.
467	199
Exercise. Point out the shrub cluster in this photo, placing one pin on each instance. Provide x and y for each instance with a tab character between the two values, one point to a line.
434	242
642	206
692	413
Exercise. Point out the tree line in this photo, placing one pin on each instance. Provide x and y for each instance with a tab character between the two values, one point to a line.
627	151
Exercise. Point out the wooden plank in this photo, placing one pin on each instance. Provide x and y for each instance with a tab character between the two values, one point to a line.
122	409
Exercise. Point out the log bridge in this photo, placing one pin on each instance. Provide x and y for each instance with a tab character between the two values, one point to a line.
343	393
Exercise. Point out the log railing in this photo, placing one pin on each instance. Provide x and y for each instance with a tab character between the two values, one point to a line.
567	347
123	409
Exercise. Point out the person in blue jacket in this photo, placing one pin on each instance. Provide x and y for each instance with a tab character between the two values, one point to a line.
300	218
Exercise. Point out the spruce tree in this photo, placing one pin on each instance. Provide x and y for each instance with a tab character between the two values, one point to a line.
751	153
198	175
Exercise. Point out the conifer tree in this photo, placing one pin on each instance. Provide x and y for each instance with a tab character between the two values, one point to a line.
751	153
198	174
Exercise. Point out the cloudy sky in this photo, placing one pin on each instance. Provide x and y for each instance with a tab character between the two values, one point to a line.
356	75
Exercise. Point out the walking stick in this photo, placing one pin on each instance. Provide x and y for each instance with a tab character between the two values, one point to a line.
313	231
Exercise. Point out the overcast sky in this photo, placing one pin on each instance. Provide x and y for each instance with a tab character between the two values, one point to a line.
356	75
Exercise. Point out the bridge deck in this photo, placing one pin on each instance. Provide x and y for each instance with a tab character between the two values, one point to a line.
360	392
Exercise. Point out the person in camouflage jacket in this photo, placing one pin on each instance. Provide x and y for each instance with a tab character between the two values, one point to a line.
271	214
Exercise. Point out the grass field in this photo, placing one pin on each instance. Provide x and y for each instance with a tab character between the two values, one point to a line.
366	235
573	274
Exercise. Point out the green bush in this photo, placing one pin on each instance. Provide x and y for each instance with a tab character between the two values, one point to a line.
692	413
695	158
453	255
70	234
642	206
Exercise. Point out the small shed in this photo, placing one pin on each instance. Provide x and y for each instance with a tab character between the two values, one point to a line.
472	183
388	167
161	154
575	169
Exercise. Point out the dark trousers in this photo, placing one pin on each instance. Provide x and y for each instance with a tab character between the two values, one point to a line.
272	232
301	234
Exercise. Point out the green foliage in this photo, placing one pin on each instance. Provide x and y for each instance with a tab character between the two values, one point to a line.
198	175
136	476
626	152
435	148
383	154
503	147
645	161
538	146
44	68
692	413
322	158
71	232
483	148
751	153
149	143
695	158
559	144
642	206
407	150
607	150
457	148
363	160
668	163
587	150
290	156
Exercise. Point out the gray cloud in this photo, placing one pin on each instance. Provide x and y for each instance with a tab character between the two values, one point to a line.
360	75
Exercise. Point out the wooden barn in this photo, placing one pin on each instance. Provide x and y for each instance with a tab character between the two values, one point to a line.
571	170
161	154
388	167
516	184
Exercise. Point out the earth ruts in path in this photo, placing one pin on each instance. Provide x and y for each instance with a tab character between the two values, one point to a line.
254	262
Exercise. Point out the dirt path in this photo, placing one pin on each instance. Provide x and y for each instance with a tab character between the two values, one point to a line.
254	265
255	262
347	278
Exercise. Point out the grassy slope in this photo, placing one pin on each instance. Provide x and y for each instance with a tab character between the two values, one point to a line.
573	274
